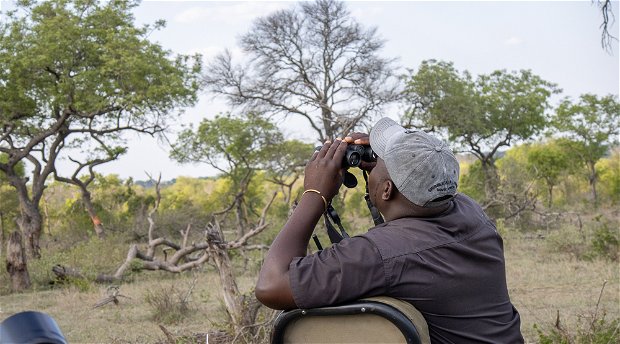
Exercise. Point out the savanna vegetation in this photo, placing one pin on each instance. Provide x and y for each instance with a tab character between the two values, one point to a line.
125	261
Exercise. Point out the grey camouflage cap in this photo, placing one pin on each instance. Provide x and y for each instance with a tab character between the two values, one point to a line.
422	167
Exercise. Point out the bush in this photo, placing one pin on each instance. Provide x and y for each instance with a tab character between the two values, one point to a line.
605	243
598	330
169	305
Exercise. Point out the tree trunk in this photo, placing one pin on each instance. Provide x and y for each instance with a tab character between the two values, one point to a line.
16	262
1	232
90	208
550	193
230	291
31	223
491	179
592	179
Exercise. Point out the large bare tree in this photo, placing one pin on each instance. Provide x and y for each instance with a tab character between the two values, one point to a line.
314	61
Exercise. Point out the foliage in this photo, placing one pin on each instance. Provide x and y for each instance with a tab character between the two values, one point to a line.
313	61
240	147
232	145
481	115
472	183
608	170
592	125
120	204
74	76
9	206
606	241
590	239
548	162
595	328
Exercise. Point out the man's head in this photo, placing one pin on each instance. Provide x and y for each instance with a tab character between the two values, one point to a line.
422	167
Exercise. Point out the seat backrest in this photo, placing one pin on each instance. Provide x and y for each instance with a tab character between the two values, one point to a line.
372	320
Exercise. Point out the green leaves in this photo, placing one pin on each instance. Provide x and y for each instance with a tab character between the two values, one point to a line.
228	143
488	112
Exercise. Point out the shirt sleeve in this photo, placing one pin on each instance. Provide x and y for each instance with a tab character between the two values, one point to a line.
346	271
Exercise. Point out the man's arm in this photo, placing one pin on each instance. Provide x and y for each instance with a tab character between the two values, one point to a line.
323	173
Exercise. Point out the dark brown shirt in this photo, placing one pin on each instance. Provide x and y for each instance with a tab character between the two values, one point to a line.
450	267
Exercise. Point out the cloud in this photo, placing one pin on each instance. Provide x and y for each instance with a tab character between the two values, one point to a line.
514	40
229	12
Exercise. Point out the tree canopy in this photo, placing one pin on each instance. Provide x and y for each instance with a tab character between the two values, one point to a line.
481	115
591	123
75	75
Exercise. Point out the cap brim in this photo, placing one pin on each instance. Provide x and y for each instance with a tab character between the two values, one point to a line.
381	133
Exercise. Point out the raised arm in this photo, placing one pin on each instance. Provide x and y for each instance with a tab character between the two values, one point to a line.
323	177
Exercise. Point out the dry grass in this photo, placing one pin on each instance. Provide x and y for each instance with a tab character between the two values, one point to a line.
540	283
130	321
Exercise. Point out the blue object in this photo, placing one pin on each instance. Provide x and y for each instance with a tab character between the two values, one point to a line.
30	328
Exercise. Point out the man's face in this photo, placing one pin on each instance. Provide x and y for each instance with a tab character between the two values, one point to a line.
376	179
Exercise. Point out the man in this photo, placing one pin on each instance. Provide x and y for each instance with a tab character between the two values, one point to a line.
437	249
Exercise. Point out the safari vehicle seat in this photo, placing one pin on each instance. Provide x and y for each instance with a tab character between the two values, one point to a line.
372	320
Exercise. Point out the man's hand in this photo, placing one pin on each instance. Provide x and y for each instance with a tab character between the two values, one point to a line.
324	170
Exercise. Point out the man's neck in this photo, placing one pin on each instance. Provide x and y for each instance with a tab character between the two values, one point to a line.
404	208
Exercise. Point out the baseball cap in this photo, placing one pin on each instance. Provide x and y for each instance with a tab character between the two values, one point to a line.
422	167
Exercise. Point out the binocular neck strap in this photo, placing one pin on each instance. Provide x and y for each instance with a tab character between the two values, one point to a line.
330	217
374	212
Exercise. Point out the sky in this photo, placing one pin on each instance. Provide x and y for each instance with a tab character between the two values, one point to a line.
558	40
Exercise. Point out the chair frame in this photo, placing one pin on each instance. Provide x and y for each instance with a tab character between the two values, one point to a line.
395	316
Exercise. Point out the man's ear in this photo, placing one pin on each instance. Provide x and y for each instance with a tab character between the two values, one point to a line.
389	190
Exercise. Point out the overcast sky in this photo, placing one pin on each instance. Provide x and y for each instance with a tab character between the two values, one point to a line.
558	40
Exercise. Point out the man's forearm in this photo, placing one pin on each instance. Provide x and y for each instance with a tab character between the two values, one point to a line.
273	287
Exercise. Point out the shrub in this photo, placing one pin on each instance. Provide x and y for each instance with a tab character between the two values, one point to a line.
593	328
169	305
605	243
598	330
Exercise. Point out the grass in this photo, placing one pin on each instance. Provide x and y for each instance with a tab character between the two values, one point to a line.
541	283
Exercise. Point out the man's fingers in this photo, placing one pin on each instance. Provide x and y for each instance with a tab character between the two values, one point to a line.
314	155
332	149
324	149
340	151
362	141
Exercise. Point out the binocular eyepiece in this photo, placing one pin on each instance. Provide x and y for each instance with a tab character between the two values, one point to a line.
353	157
355	154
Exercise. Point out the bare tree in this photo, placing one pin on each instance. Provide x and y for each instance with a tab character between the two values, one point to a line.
313	61
608	20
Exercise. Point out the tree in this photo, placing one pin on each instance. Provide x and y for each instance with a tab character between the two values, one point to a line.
238	148
548	162
592	125
74	76
84	182
286	165
313	61
480	116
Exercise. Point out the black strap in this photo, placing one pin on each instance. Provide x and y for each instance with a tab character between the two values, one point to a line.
374	212
331	217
